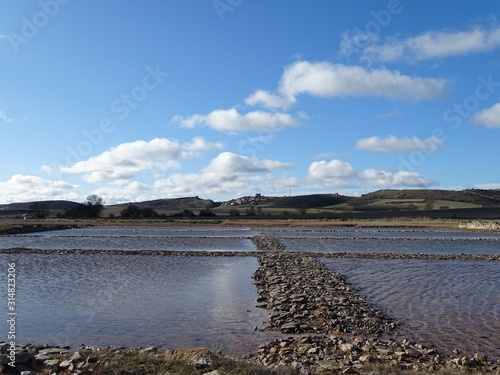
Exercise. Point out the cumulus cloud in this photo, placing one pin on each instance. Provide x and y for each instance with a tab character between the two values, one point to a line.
230	163
21	188
431	45
120	191
381	178
394	144
338	173
228	173
230	120
127	160
489	117
269	100
332	169
327	80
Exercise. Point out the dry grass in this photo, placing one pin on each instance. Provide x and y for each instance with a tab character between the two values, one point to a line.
403	222
129	362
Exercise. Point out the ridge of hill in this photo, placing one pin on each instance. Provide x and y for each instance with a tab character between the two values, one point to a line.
311	200
51	205
478	197
378	201
170	203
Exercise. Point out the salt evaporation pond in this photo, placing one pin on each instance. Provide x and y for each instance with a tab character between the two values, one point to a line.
136	238
168	302
386	240
202	301
450	303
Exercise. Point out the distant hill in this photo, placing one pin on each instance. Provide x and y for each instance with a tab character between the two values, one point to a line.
162	205
312	201
19	209
469	198
383	202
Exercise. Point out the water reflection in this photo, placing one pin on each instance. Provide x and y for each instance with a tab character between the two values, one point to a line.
170	302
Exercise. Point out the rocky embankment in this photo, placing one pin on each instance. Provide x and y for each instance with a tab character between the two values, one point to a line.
351	355
480	225
265	242
302	296
32	360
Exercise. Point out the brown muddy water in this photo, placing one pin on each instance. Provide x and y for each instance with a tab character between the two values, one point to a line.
181	301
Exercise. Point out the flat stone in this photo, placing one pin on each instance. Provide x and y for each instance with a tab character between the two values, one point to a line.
76	356
53	351
289	326
42	357
346	347
65	364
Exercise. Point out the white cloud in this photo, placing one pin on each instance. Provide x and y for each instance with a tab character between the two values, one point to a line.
127	160
493	185
381	178
335	173
230	120
432	45
338	173
332	169
47	169
229	163
324	79
21	188
394	144
227	174
3	117
120	191
489	117
328	80
270	100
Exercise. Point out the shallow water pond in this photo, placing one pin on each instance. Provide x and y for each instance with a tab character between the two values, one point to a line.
169	302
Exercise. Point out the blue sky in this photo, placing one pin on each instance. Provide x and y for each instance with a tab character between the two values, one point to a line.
223	98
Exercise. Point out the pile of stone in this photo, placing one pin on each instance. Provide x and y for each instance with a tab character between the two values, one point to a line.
302	296
480	225
347	355
265	242
30	359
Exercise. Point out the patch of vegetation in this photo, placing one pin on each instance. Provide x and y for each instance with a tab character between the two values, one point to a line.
131	362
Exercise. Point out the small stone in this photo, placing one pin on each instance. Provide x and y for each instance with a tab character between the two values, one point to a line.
366	358
480	358
312	351
65	364
215	372
150	349
42	357
75	356
28	373
51	362
346	347
201	360
349	370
